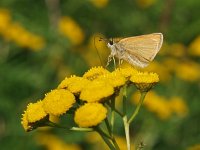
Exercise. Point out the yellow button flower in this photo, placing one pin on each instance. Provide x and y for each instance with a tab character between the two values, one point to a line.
58	101
35	112
69	28
127	71
178	105
74	84
94	72
96	91
116	79
25	122
144	81
90	114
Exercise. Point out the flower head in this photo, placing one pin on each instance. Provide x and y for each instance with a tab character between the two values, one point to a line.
58	101
127	71
144	81
25	122
116	79
94	72
35	112
90	114
70	28
96	91
74	84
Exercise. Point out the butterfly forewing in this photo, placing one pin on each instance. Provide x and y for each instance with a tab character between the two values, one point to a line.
144	47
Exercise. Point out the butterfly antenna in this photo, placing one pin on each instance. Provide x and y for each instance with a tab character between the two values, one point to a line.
100	39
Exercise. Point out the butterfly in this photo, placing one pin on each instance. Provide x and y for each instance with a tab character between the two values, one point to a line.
137	50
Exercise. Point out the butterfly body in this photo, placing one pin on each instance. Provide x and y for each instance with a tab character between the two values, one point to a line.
137	50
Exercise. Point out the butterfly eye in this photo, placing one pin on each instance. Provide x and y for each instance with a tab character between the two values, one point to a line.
111	42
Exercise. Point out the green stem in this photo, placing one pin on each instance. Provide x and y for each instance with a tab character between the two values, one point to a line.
112	115
52	124
111	134
126	128
125	120
105	138
143	94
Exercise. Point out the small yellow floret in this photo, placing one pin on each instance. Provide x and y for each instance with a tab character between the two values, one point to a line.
35	111
144	81
116	79
96	91
25	122
74	84
90	114
94	72
58	101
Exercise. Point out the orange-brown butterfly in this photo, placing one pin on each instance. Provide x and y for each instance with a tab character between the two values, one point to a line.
136	50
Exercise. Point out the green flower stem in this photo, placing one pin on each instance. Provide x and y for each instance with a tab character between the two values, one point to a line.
126	128
143	94
125	119
117	111
52	124
81	129
112	121
111	134
105	138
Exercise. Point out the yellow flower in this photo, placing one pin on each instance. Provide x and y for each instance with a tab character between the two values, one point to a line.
94	72
74	84
144	81
69	28
116	79
25	123
4	20
90	114
99	3
127	71
188	71
35	112
97	90
178	106
58	101
194	48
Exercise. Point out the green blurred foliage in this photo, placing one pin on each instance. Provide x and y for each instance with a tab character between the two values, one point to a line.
26	75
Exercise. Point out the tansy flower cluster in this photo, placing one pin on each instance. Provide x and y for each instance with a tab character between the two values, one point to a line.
15	32
86	96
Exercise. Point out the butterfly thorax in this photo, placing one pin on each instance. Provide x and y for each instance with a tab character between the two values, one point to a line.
116	49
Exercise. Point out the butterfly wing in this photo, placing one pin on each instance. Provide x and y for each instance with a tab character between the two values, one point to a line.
140	50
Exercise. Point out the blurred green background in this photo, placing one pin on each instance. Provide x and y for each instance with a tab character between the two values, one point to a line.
43	41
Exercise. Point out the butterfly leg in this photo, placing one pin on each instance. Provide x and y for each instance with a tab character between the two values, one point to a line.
114	61
109	60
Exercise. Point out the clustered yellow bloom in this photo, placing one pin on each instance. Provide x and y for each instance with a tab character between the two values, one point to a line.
194	48
84	96
163	107
58	101
90	114
15	32
144	81
30	116
74	84
96	91
95	72
69	28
